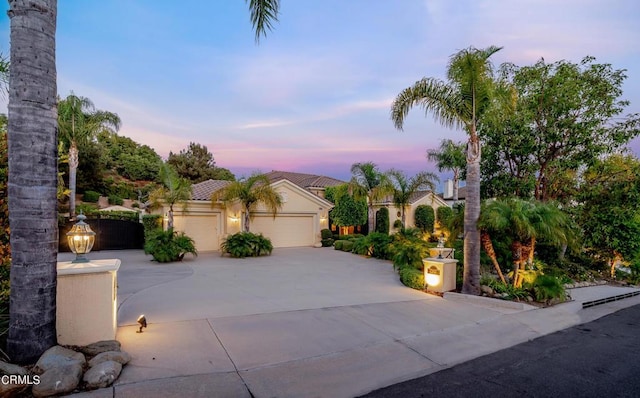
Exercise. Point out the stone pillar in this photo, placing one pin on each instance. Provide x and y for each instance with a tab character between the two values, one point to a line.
440	274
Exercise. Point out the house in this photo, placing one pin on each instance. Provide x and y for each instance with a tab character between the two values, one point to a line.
447	195
298	223
417	199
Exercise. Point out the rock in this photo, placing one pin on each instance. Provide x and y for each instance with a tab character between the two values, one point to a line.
58	380
529	299
504	295
102	375
487	290
10	390
56	357
11	369
117	356
317	244
100	347
569	286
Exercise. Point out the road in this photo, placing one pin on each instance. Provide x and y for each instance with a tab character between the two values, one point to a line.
596	359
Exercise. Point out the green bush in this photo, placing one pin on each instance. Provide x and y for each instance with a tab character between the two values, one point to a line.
380	245
409	254
347	246
382	221
412	278
362	246
246	244
167	246
116	200
135	205
397	224
151	223
425	218
547	288
91	196
327	242
86	208
444	214
338	244
326	234
119	215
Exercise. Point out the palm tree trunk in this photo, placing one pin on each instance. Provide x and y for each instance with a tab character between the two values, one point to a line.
488	247
247	220
456	182
532	249
518	263
32	187
73	169
170	217
471	282
404	221
372	219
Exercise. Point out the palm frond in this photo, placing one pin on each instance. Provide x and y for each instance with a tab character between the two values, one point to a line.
263	14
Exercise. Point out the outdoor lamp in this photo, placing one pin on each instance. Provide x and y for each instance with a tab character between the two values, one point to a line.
432	276
142	320
81	239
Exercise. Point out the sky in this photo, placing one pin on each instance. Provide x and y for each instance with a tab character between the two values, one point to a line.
313	96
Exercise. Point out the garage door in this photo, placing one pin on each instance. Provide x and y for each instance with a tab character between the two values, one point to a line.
202	229
285	231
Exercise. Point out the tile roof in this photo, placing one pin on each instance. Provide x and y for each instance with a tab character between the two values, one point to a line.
304	180
204	189
416	196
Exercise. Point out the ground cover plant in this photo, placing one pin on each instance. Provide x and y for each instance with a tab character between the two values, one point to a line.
246	244
168	246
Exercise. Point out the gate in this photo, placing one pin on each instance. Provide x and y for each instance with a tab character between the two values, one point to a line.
110	234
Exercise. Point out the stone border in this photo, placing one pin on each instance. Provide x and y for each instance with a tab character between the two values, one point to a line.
514	305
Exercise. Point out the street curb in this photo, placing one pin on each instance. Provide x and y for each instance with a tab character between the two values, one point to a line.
466	298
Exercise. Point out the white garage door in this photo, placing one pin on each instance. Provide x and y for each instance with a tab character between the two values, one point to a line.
203	229
285	231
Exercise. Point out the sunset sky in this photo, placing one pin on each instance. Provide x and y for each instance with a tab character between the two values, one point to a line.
314	95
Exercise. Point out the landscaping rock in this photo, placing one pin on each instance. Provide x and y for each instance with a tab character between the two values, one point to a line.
102	375
529	299
100	347
117	356
11	390
487	290
11	369
57	357
58	380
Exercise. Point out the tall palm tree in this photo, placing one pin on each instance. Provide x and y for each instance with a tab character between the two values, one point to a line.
33	141
459	102
450	156
174	190
404	187
79	121
250	192
32	187
368	182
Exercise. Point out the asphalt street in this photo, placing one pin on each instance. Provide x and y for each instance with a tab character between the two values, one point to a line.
596	359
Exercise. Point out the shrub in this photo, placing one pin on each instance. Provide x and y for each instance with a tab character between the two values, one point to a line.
412	278
362	246
91	196
382	221
151	223
115	200
327	242
135	205
347	246
380	245
338	244
326	234
119	215
167	246
547	288
425	218
444	214
246	244
409	254
86	208
397	224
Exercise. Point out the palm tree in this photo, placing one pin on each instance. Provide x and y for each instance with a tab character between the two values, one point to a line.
33	177
174	190
458	103
450	156
404	187
368	182
33	141
79	121
250	192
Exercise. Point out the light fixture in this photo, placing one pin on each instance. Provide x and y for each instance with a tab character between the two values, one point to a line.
81	239
432	276
142	320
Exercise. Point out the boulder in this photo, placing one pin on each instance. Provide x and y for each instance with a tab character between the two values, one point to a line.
10	390
58	380
11	369
57	357
102	375
100	347
486	290
117	356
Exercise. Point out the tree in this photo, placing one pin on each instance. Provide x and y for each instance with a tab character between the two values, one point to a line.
32	190
174	190
79	121
425	218
348	210
566	116
196	164
382	221
251	192
33	140
609	209
450	156
404	187
459	102
368	182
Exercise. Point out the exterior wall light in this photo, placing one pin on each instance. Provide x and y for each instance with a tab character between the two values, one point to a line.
81	239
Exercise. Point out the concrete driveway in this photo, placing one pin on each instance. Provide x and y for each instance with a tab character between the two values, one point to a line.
303	322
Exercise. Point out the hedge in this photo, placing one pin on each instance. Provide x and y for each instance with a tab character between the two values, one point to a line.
411	277
425	218
91	196
382	221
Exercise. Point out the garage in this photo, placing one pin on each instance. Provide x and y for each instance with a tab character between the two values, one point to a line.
285	230
203	229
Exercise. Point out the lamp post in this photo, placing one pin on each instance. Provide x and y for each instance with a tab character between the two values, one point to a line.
81	239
